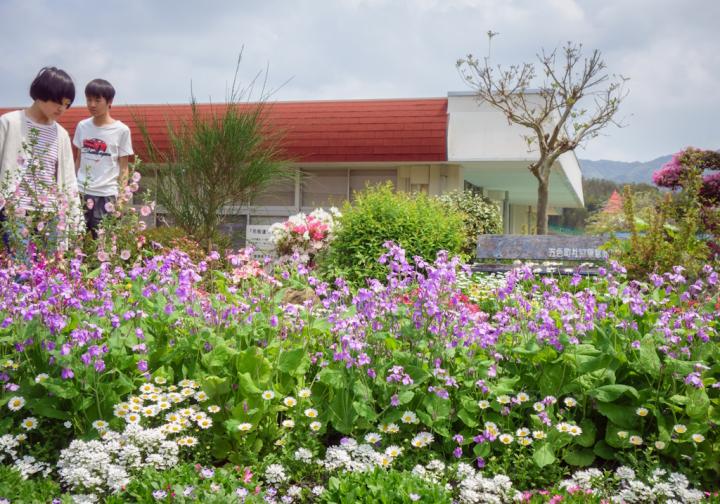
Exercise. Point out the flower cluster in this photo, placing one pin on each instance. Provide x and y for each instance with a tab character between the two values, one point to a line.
305	235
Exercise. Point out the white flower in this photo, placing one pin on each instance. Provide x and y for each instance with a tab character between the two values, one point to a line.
213	409
641	412
698	438
205	423
304	393
29	423
483	404
289	401
409	418
393	451
372	437
275	474
303	455
41	377
16	403
311	413
505	439
244	427
268	395
660	445
288	424
570	402
680	429
503	399
636	440
100	425
315	426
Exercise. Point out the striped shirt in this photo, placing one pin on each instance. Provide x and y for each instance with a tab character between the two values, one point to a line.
37	189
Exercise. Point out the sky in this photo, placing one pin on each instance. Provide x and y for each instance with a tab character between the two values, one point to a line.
157	51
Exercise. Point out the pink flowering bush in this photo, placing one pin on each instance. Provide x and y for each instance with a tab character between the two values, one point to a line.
305	235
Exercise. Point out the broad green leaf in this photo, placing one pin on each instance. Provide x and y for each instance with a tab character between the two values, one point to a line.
468	418
608	393
342	413
365	410
247	385
624	416
649	360
581	457
698	403
589	432
604	450
544	455
332	377
406	396
294	361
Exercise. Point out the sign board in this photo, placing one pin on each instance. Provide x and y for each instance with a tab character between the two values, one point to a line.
541	247
259	238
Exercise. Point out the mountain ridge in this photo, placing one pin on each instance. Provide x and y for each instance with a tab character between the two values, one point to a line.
623	172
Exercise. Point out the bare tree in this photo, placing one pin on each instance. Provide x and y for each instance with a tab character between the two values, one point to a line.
574	102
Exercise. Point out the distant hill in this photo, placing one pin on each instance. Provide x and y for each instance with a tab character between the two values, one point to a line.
622	172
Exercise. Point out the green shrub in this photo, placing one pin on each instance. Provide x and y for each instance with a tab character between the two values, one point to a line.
419	224
480	215
383	486
673	237
16	489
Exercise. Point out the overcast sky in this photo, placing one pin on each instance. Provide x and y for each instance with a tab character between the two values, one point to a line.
152	50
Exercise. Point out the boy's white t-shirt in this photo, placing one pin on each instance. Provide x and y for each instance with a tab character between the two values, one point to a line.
100	147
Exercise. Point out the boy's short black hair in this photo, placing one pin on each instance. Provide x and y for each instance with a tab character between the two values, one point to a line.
100	88
52	84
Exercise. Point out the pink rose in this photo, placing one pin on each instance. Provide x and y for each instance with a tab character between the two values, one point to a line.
109	207
125	255
145	211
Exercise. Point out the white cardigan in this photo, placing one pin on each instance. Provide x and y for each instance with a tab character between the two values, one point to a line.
13	132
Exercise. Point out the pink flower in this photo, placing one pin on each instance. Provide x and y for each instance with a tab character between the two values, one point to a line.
136	177
145	211
125	255
109	207
103	256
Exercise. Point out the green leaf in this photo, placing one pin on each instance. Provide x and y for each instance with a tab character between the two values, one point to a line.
544	455
604	450
581	457
215	386
624	416
589	432
406	396
252	362
648	359
698	403
332	377
247	385
608	393
365	410
43	408
468	418
342	413
294	362
65	390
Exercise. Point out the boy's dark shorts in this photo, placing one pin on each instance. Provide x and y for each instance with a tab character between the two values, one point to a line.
94	215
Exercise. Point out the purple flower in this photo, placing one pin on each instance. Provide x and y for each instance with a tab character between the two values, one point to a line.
142	365
395	400
99	365
694	380
67	374
457	452
480	462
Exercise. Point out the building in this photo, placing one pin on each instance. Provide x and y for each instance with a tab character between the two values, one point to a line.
433	145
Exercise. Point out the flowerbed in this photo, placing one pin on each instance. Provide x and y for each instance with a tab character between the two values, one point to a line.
237	380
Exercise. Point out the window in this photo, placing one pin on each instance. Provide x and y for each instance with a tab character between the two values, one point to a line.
324	188
360	179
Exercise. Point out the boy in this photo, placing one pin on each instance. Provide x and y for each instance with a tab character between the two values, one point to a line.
104	146
37	175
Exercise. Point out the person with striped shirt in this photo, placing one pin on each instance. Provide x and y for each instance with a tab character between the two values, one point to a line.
37	172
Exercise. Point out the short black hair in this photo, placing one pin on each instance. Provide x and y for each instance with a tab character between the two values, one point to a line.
52	84
100	88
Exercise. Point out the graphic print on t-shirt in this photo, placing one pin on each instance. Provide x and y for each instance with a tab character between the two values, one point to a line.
95	147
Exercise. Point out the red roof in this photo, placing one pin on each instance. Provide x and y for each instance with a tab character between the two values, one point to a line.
403	130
